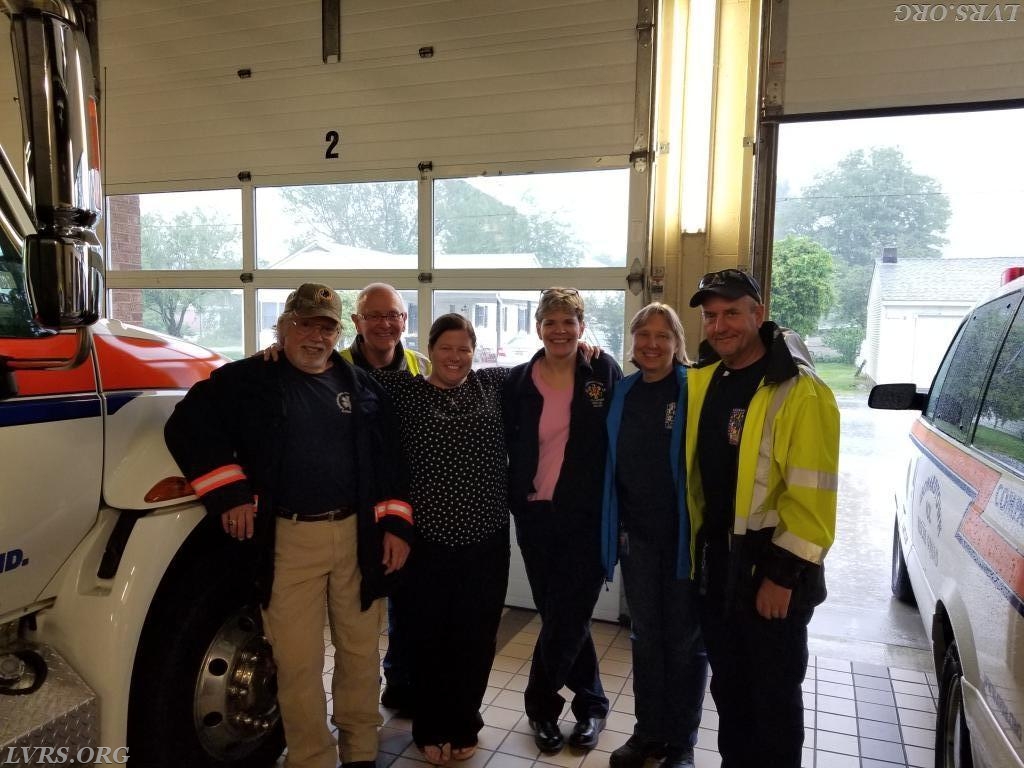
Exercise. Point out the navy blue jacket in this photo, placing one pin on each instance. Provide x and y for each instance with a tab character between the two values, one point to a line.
229	427
579	484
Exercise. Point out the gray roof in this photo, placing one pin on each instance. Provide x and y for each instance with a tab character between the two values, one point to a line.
963	281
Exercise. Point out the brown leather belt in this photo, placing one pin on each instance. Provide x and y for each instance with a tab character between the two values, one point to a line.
331	514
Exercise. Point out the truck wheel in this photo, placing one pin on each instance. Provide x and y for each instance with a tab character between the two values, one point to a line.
900	579
952	738
204	687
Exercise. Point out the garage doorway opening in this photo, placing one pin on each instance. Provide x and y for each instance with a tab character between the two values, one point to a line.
886	231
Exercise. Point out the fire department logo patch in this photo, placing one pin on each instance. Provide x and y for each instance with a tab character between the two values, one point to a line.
596	393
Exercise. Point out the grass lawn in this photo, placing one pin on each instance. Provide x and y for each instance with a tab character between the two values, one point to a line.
840	377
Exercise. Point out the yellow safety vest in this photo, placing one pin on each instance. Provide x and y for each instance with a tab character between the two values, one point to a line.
415	363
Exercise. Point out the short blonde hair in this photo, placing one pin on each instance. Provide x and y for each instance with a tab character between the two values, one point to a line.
559	300
642	317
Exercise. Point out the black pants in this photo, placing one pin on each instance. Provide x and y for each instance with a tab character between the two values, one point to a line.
563	564
757	667
454	599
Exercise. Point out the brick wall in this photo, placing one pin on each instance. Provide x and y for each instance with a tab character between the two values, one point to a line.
125	249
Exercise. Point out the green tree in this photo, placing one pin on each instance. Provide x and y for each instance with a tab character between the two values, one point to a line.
190	240
383	216
379	216
801	284
604	321
871	199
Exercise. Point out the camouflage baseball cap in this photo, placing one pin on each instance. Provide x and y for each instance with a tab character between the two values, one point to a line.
314	300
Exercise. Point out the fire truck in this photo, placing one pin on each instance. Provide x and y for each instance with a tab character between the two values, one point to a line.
124	636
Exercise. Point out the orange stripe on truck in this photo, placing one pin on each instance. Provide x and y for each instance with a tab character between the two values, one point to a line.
974	531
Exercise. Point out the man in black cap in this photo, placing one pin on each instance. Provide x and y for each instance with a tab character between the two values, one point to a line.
762	452
296	459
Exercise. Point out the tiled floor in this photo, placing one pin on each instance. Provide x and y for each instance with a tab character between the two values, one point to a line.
857	715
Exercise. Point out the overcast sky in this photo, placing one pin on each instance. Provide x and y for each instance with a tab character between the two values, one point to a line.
976	156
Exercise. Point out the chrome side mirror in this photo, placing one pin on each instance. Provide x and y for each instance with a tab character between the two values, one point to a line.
65	281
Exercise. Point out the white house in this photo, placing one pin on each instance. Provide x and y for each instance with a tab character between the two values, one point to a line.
915	306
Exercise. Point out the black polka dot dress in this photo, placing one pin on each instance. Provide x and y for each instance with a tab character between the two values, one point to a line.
454	442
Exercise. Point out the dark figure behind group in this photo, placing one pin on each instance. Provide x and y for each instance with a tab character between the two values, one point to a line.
718	500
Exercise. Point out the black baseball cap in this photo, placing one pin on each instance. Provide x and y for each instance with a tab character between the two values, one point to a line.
728	283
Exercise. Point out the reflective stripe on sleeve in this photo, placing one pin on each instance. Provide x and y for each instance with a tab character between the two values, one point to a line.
393	507
813	479
802	548
211	481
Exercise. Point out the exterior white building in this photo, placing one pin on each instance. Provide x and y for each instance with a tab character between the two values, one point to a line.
915	306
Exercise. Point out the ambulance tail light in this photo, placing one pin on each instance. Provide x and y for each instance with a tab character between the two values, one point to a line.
1011	274
168	489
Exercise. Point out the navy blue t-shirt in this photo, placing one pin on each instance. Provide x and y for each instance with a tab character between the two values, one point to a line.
643	471
318	469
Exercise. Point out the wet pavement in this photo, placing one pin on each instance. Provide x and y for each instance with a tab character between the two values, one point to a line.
860	620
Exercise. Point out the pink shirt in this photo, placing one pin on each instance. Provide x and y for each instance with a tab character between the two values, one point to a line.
552	435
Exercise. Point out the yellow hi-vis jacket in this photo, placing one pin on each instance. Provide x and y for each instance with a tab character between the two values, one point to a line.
404	360
788	466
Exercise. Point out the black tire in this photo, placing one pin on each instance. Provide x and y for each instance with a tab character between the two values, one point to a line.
952	737
900	579
204	684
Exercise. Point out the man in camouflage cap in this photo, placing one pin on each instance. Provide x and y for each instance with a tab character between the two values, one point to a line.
297	460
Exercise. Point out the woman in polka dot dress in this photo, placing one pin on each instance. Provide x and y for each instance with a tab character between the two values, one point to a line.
457	573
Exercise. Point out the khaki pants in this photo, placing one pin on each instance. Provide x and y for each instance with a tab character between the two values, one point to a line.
314	563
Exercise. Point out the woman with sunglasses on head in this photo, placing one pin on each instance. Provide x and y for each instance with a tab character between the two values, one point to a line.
555	409
646	528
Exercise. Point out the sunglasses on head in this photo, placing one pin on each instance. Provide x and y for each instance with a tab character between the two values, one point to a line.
723	276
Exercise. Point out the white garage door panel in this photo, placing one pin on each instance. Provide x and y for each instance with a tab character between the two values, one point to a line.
510	80
855	54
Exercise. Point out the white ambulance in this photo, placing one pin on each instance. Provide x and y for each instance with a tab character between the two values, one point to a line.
958	543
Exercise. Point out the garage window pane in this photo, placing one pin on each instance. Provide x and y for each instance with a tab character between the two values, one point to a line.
208	317
270	302
176	231
506	330
369	225
538	220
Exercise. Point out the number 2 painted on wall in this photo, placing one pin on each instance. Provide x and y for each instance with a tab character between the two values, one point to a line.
332	138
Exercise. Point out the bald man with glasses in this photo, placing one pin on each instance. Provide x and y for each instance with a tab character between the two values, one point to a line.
380	319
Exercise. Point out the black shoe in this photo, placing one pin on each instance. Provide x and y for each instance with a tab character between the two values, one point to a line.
585	732
547	735
678	757
635	752
397	696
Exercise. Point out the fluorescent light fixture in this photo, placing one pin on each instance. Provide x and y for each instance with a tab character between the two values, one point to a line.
697	103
